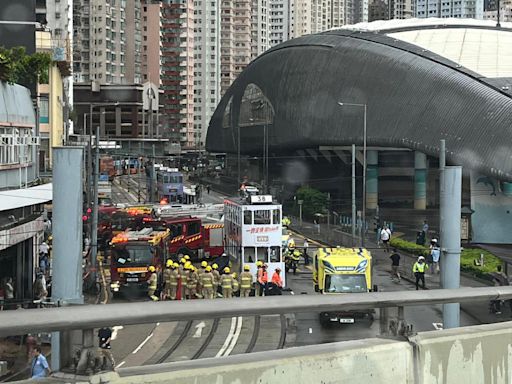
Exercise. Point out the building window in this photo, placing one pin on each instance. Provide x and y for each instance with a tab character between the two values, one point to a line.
44	109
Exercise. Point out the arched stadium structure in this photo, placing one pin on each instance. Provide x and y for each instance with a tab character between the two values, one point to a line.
421	81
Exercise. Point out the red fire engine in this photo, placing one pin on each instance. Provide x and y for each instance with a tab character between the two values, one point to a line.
132	252
190	236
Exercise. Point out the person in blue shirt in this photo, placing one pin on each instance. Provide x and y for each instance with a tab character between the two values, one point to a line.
40	367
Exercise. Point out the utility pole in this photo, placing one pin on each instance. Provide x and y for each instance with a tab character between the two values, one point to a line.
94	237
153	176
353	194
451	195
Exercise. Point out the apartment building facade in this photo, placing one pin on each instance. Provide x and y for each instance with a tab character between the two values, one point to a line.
279	21
207	48
390	9
152	41
107	41
491	11
467	9
260	27
178	70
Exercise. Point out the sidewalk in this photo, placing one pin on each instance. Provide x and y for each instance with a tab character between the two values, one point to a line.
334	236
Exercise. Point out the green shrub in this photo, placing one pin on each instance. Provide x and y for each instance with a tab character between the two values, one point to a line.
408	246
467	257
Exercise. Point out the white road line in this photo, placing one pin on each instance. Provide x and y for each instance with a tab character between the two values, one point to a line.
120	364
116	329
235	337
228	338
310	330
142	344
291	292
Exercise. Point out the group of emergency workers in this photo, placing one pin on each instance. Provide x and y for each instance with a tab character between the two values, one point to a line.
183	281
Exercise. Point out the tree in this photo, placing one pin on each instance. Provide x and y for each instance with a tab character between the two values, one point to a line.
18	67
314	200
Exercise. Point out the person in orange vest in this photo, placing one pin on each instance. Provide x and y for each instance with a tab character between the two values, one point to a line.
263	279
277	282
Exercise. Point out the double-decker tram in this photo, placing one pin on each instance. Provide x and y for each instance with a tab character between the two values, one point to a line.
253	232
170	184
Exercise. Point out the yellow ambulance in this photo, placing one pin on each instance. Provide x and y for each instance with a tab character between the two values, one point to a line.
343	270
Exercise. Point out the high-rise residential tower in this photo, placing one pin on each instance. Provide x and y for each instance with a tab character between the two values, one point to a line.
207	25
279	21
450	8
178	70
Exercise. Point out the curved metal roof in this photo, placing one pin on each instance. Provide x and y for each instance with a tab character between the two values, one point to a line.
414	97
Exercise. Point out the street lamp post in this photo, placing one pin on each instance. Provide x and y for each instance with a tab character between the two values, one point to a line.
364	106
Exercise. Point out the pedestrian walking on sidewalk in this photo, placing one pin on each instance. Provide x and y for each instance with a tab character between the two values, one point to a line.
208	187
385	237
395	263
39	366
306	256
419	268
435	255
104	350
500	280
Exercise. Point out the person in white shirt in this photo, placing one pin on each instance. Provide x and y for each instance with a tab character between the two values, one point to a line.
385	236
43	248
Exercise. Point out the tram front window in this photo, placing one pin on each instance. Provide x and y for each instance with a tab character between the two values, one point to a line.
276	216
249	255
247	217
262	217
275	254
262	254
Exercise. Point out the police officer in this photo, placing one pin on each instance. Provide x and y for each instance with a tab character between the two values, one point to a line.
207	283
166	289
173	281
152	283
419	269
245	282
216	279
227	283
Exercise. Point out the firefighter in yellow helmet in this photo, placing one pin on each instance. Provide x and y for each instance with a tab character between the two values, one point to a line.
216	279
207	283
166	289
185	276
226	281
236	286
173	281
152	283
186	257
191	282
245	282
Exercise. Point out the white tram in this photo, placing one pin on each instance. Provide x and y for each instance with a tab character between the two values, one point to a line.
253	232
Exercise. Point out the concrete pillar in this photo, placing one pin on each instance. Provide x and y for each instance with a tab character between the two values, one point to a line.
102	123
372	179
118	121
67	225
451	197
420	180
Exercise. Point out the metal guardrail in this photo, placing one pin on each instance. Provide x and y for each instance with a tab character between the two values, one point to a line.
95	316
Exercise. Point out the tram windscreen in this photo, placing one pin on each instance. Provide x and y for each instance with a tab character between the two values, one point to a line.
262	217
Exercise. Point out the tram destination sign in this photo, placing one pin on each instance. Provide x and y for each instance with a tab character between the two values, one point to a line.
261	199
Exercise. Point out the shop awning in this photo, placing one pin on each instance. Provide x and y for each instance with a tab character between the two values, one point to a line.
17	198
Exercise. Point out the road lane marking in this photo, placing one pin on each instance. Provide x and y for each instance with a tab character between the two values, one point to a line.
291	292
120	364
157	324
199	330
228	338
115	329
142	344
235	337
310	330
438	326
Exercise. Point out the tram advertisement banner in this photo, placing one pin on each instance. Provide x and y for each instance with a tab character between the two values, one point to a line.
261	235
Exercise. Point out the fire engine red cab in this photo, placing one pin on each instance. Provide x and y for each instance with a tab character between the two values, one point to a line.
132	252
